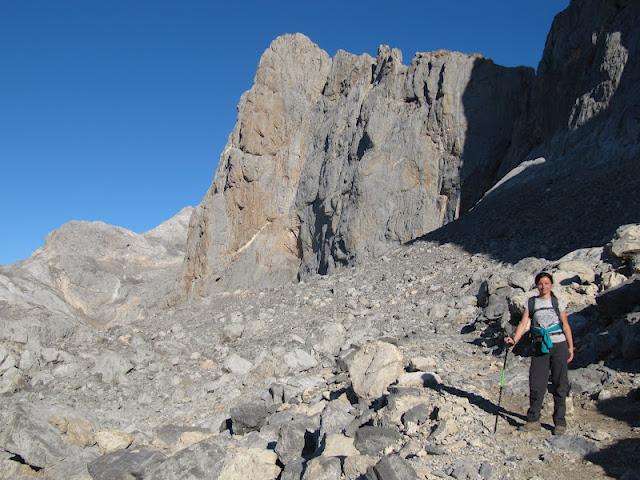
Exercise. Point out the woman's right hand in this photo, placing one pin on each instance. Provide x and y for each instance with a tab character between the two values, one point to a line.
509	341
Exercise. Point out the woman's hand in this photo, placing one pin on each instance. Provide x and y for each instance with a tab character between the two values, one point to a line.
570	355
509	341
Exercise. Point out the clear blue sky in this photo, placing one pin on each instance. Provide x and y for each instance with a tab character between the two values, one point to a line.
117	110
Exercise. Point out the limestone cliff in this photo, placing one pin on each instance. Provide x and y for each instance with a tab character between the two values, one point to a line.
334	159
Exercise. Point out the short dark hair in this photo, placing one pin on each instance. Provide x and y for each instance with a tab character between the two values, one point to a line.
542	275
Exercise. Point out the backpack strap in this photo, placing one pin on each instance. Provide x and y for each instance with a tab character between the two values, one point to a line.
556	305
531	306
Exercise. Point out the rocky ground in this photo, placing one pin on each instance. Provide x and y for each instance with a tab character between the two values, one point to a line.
388	370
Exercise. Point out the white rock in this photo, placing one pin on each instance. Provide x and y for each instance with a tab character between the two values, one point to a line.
112	440
612	279
423	363
374	367
299	361
339	445
626	241
250	463
236	364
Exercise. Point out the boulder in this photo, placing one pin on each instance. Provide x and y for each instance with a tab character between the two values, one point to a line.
621	299
336	417
291	441
626	241
299	361
338	445
248	417
248	463
293	470
374	367
356	466
612	279
521	280
111	440
423	364
374	440
572	444
124	464
392	468
237	365
27	433
323	468
574	270
418	414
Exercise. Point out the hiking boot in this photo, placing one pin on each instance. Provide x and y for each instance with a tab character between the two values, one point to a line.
559	429
530	427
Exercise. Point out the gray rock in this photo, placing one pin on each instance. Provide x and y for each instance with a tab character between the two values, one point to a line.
589	379
299	361
27	433
204	460
573	444
124	464
418	414
335	418
291	442
237	365
487	471
391	468
112	367
293	470
373	440
323	468
248	417
463	470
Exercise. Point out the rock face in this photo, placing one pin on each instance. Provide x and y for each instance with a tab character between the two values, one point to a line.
333	159
579	134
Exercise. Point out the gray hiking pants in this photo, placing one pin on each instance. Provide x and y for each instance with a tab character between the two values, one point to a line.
556	362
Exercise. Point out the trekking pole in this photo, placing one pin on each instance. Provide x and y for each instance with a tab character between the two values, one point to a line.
502	379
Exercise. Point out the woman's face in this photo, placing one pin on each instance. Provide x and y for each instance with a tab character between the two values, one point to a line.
544	286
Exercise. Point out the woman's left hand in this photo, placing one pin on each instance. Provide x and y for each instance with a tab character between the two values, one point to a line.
570	355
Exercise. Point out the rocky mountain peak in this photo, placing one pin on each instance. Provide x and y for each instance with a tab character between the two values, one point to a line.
333	160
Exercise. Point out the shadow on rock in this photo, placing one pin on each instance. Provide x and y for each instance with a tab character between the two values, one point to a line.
482	403
617	459
626	409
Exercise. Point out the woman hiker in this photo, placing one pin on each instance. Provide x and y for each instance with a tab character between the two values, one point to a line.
553	350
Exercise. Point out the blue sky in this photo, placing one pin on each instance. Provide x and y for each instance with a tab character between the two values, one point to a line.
117	110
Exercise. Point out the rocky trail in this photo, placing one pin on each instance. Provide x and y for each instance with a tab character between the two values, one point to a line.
335	307
392	367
